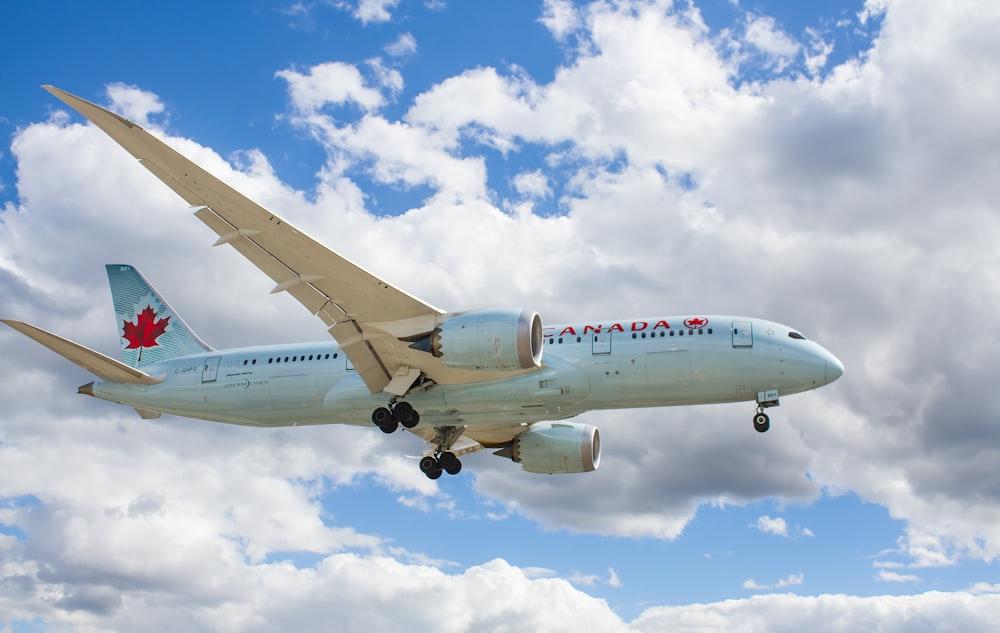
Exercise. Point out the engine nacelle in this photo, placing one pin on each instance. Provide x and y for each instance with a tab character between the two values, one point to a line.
489	340
558	447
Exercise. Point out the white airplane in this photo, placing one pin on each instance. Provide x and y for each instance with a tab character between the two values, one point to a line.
462	381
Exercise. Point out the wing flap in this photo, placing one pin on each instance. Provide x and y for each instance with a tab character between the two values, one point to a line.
95	362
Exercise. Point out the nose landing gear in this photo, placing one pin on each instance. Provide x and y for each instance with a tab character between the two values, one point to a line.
765	399
761	423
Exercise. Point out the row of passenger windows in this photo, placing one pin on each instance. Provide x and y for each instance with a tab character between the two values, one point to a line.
663	333
293	359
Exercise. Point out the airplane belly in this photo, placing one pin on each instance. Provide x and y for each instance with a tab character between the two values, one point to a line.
553	392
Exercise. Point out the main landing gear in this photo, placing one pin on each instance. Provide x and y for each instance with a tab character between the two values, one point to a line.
441	459
389	418
434	465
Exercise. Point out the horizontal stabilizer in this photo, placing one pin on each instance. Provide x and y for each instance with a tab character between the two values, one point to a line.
95	362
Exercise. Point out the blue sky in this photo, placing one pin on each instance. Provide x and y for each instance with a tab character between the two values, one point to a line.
825	164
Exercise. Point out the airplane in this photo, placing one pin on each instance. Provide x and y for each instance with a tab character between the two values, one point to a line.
462	381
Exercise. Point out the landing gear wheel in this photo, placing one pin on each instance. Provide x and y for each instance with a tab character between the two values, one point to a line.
451	464
761	423
430	467
384	420
405	414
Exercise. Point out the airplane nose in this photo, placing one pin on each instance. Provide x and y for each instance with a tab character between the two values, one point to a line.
834	368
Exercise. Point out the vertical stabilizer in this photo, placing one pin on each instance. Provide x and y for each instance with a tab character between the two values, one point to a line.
150	330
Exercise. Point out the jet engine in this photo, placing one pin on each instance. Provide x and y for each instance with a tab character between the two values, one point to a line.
558	447
487	340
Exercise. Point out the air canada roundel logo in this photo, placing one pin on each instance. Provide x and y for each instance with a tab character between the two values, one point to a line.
142	334
695	322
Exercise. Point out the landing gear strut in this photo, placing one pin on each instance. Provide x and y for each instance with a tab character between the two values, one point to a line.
765	399
442	459
388	419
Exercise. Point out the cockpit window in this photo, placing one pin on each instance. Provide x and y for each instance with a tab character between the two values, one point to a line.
796	336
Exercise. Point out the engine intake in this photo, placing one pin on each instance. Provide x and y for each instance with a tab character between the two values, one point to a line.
558	447
489	340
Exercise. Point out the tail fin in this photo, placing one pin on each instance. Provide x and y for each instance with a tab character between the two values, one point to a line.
150	330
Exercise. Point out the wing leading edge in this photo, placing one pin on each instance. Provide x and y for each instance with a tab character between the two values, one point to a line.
366	315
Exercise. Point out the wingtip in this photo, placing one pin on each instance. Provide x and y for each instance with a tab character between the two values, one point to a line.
54	91
98	115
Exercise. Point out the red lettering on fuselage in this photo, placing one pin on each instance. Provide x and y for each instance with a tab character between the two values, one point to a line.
633	326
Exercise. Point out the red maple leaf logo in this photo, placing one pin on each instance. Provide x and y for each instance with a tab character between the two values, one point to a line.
144	332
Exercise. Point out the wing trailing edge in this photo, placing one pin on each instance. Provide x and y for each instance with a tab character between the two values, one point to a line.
348	298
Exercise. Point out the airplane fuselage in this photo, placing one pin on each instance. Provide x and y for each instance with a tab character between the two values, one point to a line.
638	363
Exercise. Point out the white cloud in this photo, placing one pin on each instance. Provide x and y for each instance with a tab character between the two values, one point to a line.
404	46
891	576
778	47
776	526
792	580
375	10
560	17
533	184
613	579
922	613
872	8
135	104
818	51
329	83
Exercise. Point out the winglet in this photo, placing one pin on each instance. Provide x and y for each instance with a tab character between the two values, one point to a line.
95	362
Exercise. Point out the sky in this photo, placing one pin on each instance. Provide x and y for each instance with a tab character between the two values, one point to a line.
827	165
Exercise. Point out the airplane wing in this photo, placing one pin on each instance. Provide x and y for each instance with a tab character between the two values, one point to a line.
366	315
95	362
